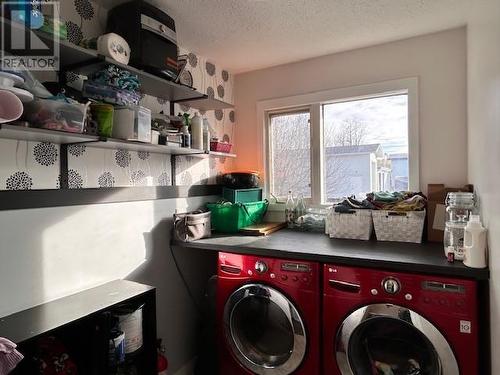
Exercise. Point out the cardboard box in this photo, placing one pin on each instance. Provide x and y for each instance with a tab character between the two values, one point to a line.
436	210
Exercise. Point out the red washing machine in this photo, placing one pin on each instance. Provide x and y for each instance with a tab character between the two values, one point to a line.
378	322
268	315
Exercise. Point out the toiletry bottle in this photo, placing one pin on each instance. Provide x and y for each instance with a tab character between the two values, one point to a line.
197	132
289	209
186	137
206	135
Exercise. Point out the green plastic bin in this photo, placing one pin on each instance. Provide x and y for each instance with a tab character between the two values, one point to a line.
242	195
231	217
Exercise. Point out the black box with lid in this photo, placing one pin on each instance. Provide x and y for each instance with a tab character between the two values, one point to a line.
150	32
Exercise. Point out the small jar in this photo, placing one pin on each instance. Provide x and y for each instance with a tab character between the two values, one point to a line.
459	206
454	239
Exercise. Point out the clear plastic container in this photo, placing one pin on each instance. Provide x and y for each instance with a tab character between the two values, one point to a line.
459	206
454	239
56	115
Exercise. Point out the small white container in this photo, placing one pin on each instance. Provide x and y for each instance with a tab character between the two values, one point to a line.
475	243
132	123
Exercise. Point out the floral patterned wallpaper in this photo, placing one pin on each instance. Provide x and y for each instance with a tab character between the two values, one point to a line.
30	165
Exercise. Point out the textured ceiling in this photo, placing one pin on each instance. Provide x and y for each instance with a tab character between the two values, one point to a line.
246	35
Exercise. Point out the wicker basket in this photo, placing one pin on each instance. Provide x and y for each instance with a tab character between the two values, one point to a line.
357	224
399	226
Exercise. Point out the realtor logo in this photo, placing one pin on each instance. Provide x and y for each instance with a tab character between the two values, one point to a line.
29	35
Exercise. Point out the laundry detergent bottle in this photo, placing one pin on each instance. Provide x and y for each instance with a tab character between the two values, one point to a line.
475	243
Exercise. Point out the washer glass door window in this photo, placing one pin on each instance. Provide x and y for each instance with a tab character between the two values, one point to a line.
389	339
264	330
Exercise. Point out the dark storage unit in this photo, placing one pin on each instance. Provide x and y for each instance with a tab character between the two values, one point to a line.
82	323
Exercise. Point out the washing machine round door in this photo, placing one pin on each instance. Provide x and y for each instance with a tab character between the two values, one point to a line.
386	338
264	330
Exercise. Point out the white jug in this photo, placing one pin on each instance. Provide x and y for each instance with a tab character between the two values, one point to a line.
475	243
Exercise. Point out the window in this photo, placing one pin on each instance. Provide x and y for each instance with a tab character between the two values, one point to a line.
341	142
290	154
365	146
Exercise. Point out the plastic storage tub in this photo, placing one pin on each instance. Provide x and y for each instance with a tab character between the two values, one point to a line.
231	217
242	195
56	115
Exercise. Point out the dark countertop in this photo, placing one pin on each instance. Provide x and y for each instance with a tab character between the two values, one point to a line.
287	244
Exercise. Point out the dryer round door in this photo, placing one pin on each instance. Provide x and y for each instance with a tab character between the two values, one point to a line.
386	338
264	330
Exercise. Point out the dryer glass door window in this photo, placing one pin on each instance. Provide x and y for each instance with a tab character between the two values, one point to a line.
264	330
390	346
390	339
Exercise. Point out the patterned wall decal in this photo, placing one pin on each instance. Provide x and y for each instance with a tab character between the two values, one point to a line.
193	60
75	180
85	9
184	108
77	150
232	116
225	75
210	92
19	181
106	180
45	153
143	155
164	179
220	91
219	114
75	34
210	68
123	158
186	179
138	178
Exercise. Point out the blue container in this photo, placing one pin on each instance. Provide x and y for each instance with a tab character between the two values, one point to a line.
242	195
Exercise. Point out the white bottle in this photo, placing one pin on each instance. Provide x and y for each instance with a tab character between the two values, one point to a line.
206	135
475	243
197	132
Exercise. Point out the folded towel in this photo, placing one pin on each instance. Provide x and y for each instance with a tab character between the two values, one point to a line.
9	356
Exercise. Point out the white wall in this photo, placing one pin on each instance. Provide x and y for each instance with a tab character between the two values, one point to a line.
483	58
438	60
52	252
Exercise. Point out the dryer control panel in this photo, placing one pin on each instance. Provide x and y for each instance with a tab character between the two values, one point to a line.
274	271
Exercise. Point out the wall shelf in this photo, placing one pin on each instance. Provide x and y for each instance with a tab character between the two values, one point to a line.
205	104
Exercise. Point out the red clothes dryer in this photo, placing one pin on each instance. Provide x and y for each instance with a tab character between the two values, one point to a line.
378	322
268	314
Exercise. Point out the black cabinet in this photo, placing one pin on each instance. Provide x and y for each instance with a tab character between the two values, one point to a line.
80	325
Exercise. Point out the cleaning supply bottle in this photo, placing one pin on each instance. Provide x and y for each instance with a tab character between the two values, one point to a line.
206	135
197	132
475	243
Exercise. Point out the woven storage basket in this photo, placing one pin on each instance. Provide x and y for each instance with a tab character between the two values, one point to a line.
357	224
399	226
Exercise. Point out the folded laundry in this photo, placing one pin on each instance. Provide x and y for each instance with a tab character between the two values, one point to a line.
349	204
9	356
398	201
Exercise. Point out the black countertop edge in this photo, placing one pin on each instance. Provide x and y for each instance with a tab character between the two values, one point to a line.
426	258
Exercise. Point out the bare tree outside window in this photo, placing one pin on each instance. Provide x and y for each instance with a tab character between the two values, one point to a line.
291	154
366	146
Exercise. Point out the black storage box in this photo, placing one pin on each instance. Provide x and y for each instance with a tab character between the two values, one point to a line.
150	32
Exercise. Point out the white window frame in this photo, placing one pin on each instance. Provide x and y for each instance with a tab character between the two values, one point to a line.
314	102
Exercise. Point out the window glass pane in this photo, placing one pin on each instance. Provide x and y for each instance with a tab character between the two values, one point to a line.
366	146
290	154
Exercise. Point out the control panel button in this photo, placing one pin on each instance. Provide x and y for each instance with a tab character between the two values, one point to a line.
391	285
427	300
260	267
305	279
374	292
295	278
250	273
284	277
408	297
272	276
